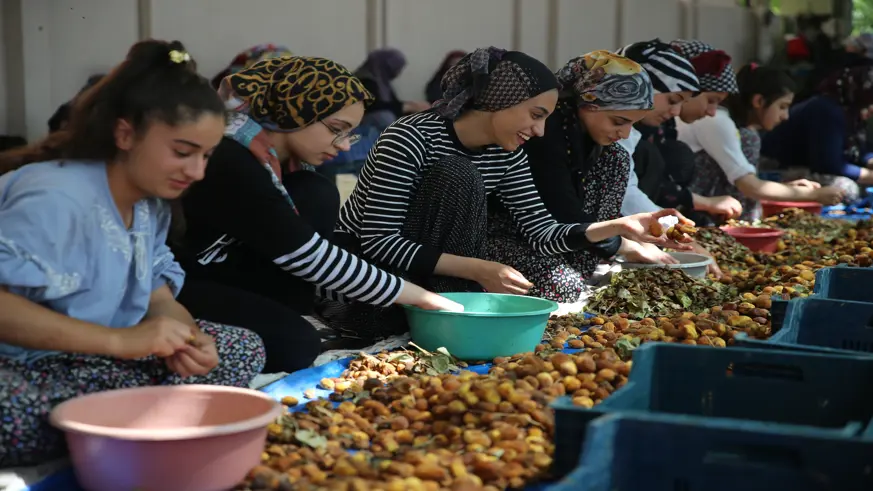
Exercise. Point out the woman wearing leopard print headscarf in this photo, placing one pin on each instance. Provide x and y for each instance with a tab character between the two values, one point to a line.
257	234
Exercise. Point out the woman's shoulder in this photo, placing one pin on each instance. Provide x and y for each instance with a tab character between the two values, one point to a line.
69	182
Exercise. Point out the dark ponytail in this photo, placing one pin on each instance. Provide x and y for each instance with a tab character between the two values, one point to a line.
157	82
753	79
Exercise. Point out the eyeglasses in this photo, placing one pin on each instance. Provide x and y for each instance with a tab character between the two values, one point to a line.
341	136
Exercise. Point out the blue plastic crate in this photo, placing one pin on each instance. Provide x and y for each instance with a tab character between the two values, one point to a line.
778	308
807	391
657	452
844	283
821	325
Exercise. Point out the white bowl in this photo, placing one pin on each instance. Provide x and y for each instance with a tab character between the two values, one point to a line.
693	264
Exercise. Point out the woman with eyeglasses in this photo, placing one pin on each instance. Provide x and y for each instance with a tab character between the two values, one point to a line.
256	238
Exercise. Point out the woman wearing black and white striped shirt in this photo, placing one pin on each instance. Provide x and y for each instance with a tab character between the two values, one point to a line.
256	241
420	205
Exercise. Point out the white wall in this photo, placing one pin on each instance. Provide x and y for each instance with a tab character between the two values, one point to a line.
50	47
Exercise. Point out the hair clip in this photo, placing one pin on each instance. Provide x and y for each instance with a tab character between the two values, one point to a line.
177	56
753	66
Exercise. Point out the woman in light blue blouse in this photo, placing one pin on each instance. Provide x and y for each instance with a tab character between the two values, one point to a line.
87	284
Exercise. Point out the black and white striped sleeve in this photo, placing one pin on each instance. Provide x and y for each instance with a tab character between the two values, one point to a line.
388	182
263	220
545	235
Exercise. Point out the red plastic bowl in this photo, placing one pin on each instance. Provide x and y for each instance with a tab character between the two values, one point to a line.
755	238
179	438
770	208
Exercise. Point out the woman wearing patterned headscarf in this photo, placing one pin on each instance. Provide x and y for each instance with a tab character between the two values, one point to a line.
653	183
257	240
580	171
420	206
825	135
249	57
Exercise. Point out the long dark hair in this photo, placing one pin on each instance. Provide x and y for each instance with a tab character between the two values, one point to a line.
157	82
768	82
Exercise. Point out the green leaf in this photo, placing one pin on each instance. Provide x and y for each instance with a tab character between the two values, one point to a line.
445	352
685	299
441	364
624	347
310	438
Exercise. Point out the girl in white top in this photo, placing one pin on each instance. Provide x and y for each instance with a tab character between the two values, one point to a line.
727	145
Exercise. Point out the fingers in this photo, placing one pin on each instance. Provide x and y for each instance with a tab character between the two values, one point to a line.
517	279
174	366
200	360
673	212
679	246
667	259
432	301
186	362
714	270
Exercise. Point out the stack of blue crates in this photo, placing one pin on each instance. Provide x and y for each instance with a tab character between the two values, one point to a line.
694	418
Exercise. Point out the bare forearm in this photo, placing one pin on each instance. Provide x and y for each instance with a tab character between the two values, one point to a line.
28	325
759	189
603	230
457	266
866	177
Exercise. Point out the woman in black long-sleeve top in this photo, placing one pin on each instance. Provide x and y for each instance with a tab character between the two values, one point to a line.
581	172
257	240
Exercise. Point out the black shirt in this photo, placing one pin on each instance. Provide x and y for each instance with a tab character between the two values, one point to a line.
241	230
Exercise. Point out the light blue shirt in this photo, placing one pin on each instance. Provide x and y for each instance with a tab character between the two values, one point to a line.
63	245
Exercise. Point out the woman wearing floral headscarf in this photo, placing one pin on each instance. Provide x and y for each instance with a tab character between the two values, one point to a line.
257	238
580	171
420	206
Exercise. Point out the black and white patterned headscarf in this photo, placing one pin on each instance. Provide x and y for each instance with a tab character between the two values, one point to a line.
713	66
669	70
491	79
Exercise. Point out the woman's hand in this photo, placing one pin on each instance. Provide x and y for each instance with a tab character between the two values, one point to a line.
726	206
199	357
635	252
159	336
713	268
804	183
414	295
828	195
499	278
638	228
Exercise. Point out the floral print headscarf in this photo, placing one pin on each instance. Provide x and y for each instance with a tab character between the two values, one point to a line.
602	80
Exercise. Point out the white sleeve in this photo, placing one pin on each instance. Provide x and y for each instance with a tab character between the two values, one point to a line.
719	137
635	201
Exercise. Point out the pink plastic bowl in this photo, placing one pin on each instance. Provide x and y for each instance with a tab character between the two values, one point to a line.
167	438
755	238
770	208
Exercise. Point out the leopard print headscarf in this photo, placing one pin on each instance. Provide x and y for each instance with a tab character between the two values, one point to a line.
293	92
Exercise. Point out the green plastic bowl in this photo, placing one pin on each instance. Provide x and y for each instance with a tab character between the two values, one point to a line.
491	325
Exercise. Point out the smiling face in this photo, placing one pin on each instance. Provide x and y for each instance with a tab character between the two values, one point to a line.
667	107
608	127
513	126
705	104
165	160
325	139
